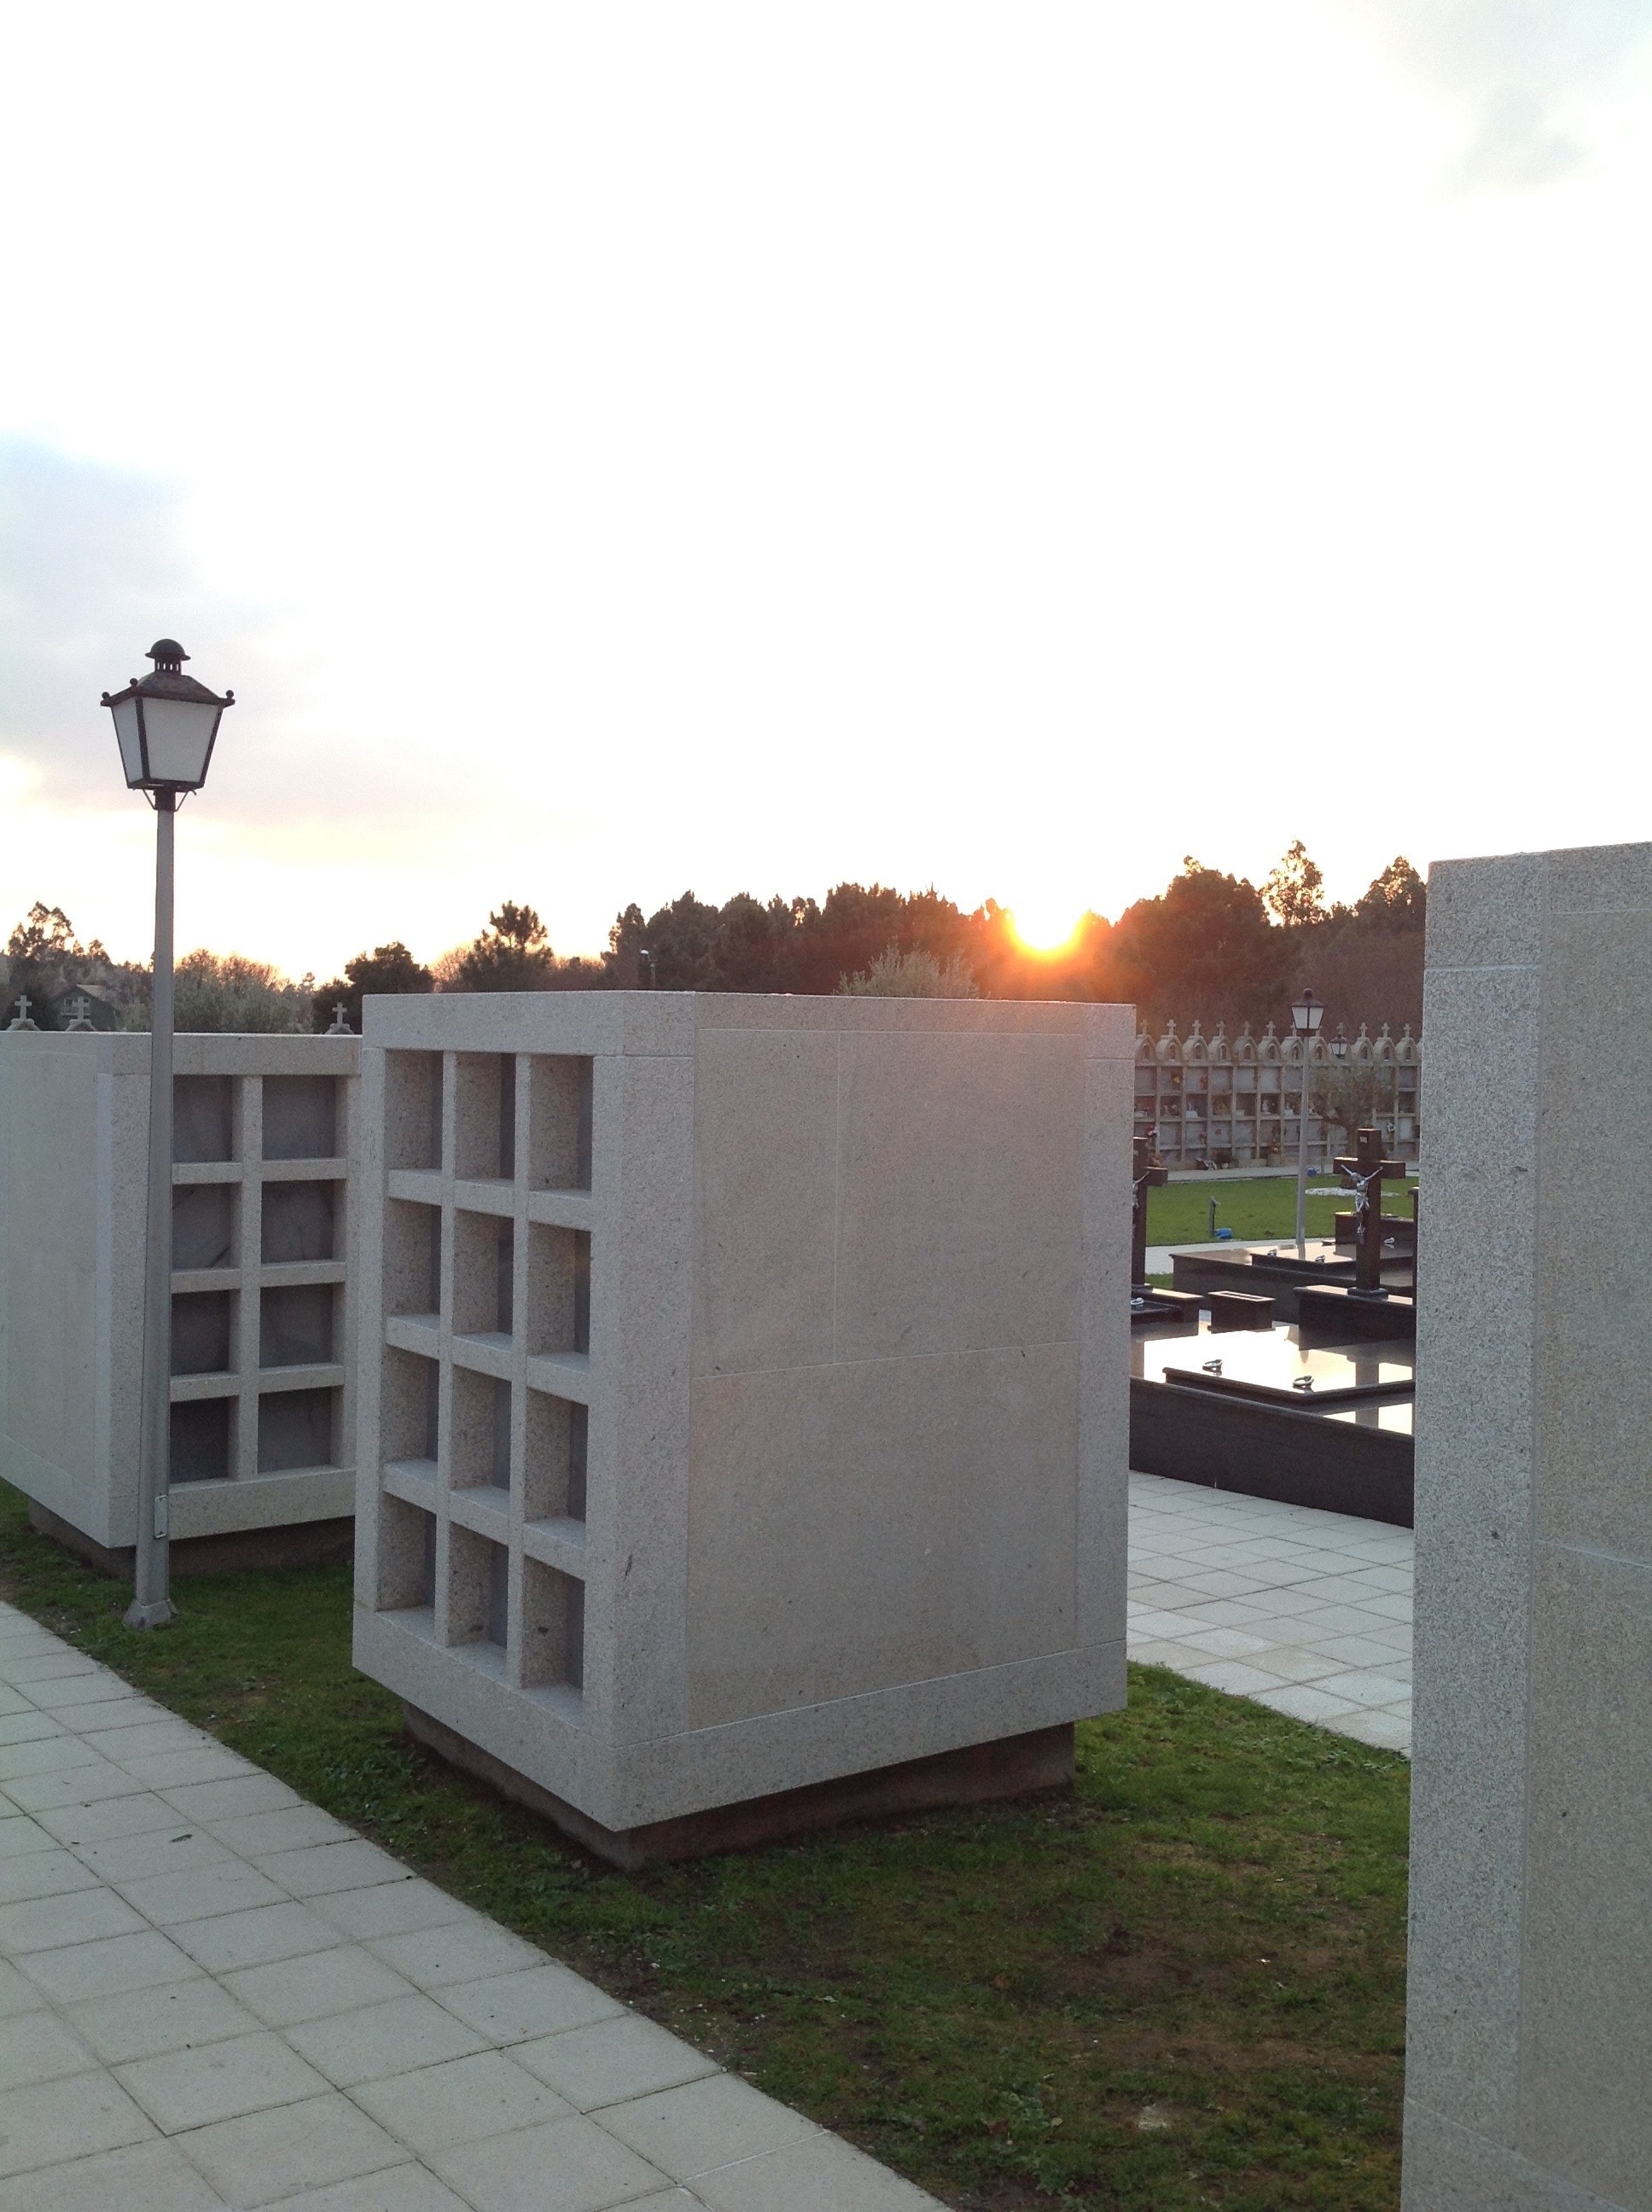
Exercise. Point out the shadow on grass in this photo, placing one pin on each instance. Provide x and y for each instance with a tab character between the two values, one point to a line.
1178	1986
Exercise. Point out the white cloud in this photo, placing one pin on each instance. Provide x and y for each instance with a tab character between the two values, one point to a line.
1528	73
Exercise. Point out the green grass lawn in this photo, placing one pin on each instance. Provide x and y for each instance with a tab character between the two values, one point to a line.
1259	1206
1180	1985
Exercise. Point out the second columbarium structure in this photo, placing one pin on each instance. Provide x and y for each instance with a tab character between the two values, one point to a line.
743	1398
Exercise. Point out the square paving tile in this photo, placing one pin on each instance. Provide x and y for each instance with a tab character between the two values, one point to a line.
64	2119
17	1993
95	1686
47	1923
342	1979
389	1908
169	1769
511	2007
37	2046
224	1801
200	1892
74	1785
49	1755
47	1873
220	2081
461	1951
249	1939
1319	1707
320	1868
144	2023
565	2166
822	2173
170	1849
161	1732
397	2188
706	2124
283	1828
412	2032
460	2102
612	2061
148	2176
18	1835
271	2154
105	1968
28	1727
130	1814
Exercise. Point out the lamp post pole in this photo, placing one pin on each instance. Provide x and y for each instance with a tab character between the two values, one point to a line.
166	724
1306	1015
152	1606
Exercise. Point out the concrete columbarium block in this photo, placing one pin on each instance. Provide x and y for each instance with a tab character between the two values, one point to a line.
263	1390
1529	2054
743	1398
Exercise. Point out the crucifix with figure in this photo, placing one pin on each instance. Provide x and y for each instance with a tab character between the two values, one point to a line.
1148	1172
1365	1171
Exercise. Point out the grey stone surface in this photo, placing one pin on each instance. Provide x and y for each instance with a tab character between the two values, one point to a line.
841	1313
1529	2040
263	1250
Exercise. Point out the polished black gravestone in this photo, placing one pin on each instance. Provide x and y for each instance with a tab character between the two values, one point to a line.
1273	1416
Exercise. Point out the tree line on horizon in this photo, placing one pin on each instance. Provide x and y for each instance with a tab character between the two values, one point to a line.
1209	947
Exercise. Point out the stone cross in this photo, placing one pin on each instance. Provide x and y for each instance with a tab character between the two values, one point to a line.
77	1013
340	1025
23	1021
1364	1171
1148	1174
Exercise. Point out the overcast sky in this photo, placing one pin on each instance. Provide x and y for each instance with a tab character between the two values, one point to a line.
617	448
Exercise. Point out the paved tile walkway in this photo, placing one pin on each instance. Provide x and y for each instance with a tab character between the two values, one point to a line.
1308	1612
213	1995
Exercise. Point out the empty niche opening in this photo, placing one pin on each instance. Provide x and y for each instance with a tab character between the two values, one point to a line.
412	1258
296	1428
409	1403
484	1261
560	1116
203	1226
202	1333
200	1441
406	1557
553	1471
298	1222
559	1289
413	1109
477	1582
484	1123
482	1431
553	1626
301	1117
203	1117
295	1325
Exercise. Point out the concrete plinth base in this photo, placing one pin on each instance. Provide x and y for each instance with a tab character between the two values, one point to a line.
1042	1759
296	1544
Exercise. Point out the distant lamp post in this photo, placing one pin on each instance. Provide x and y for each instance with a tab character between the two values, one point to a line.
1306	1015
166	724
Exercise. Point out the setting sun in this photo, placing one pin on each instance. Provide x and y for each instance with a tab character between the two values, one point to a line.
1043	928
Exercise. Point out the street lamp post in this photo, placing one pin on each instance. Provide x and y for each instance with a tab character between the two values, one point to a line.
166	724
1306	1015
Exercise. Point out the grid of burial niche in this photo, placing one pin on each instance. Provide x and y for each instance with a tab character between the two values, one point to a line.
258	1230
485	1383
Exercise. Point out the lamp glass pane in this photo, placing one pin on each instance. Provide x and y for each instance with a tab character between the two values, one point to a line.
179	732
131	753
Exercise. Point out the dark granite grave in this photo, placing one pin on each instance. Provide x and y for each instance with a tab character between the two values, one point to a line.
1335	1313
1232	1310
1271	1415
